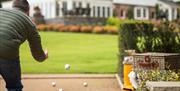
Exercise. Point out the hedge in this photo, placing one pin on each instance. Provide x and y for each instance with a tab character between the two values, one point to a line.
109	29
146	37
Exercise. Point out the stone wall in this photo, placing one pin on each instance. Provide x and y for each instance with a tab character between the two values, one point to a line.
163	86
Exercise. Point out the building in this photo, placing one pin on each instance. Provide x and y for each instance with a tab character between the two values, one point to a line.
145	9
133	9
170	8
62	8
140	9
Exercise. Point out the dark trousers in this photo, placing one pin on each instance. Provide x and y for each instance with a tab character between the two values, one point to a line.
10	70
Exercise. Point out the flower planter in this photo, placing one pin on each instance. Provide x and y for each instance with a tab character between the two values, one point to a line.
156	61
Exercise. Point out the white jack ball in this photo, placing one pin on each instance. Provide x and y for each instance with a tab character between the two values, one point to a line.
85	84
67	66
53	84
61	89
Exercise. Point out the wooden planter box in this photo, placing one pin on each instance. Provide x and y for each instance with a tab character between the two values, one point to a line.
156	61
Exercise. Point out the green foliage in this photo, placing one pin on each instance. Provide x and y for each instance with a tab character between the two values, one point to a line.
127	38
141	41
157	11
130	13
113	21
156	75
135	35
169	37
145	37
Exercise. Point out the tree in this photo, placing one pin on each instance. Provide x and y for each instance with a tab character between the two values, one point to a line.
157	11
130	13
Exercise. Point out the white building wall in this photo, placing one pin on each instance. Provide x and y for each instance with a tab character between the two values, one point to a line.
147	14
48	7
7	4
53	9
175	13
60	9
106	14
91	13
111	11
170	14
84	3
96	11
69	4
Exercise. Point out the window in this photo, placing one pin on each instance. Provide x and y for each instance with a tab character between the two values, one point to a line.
88	9
103	11
57	9
64	9
80	5
108	9
152	15
144	12
64	5
74	5
121	13
98	11
94	11
88	5
138	13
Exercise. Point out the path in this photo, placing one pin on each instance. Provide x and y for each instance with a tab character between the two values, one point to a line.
69	82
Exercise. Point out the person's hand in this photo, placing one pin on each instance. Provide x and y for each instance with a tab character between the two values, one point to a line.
46	53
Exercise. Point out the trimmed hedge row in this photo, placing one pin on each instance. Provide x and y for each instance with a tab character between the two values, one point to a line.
78	28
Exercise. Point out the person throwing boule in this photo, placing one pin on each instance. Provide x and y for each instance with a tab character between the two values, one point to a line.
15	28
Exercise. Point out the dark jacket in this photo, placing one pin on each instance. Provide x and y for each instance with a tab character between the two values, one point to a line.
15	28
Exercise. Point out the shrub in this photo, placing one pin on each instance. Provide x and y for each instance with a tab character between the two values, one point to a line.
56	27
98	29
168	33
50	27
145	37
41	27
113	21
156	75
74	28
63	29
131	35
111	29
86	29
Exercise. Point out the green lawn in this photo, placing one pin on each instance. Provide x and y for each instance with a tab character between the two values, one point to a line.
86	53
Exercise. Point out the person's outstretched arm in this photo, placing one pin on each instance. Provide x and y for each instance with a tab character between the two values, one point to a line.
35	45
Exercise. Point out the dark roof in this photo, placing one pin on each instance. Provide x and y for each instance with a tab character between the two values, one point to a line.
170	2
